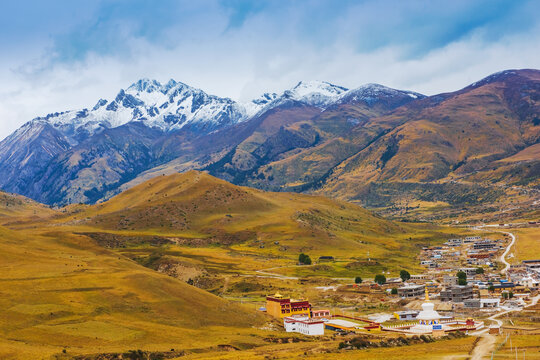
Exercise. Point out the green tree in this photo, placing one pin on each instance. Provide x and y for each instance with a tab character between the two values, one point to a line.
394	291
510	295
304	259
462	281
404	275
461	275
491	288
358	280
380	279
479	270
505	295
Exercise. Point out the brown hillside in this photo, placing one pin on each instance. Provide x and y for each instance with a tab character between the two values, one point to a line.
445	137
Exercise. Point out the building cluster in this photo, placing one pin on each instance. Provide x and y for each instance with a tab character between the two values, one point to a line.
473	250
457	274
297	315
429	322
526	274
482	289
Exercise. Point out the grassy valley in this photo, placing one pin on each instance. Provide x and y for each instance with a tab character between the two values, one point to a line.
131	273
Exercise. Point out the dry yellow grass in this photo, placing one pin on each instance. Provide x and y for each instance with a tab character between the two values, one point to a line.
527	245
61	291
454	349
199	208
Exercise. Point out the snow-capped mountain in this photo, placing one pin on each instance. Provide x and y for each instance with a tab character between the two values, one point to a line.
169	107
80	155
175	105
372	93
314	93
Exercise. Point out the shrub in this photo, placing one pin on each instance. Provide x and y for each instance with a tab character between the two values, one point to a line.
358	280
304	259
479	270
380	279
462	281
394	291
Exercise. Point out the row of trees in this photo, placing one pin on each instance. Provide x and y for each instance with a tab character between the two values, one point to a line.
381	279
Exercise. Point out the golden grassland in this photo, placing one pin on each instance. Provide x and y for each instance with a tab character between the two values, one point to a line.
60	291
527	245
61	288
15	207
524	334
455	349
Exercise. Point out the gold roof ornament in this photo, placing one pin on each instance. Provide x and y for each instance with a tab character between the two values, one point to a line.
427	294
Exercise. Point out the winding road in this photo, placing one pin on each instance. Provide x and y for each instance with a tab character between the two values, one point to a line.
487	342
503	256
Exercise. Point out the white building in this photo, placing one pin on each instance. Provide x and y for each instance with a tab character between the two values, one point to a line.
530	282
303	325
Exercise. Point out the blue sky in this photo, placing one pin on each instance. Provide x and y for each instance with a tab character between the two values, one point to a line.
65	54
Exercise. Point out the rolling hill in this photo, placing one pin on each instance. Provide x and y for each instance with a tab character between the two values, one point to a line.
63	291
105	279
194	214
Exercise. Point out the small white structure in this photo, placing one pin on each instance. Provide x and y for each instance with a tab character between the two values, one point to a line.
303	325
429	319
530	282
489	303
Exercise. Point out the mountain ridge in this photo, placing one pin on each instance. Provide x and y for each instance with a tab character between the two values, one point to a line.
371	144
77	152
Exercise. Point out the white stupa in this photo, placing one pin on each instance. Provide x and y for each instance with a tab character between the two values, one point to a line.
428	318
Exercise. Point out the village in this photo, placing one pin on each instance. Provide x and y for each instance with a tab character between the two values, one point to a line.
466	284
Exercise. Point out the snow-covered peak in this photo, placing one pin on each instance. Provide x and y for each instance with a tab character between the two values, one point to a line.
371	93
315	93
259	104
305	88
176	105
145	85
169	106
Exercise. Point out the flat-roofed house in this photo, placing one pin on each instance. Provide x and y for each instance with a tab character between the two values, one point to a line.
411	291
406	314
304	325
321	314
457	293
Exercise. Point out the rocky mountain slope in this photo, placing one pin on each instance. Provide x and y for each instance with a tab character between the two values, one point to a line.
86	155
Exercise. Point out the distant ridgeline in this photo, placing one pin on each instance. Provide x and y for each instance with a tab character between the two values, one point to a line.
373	145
